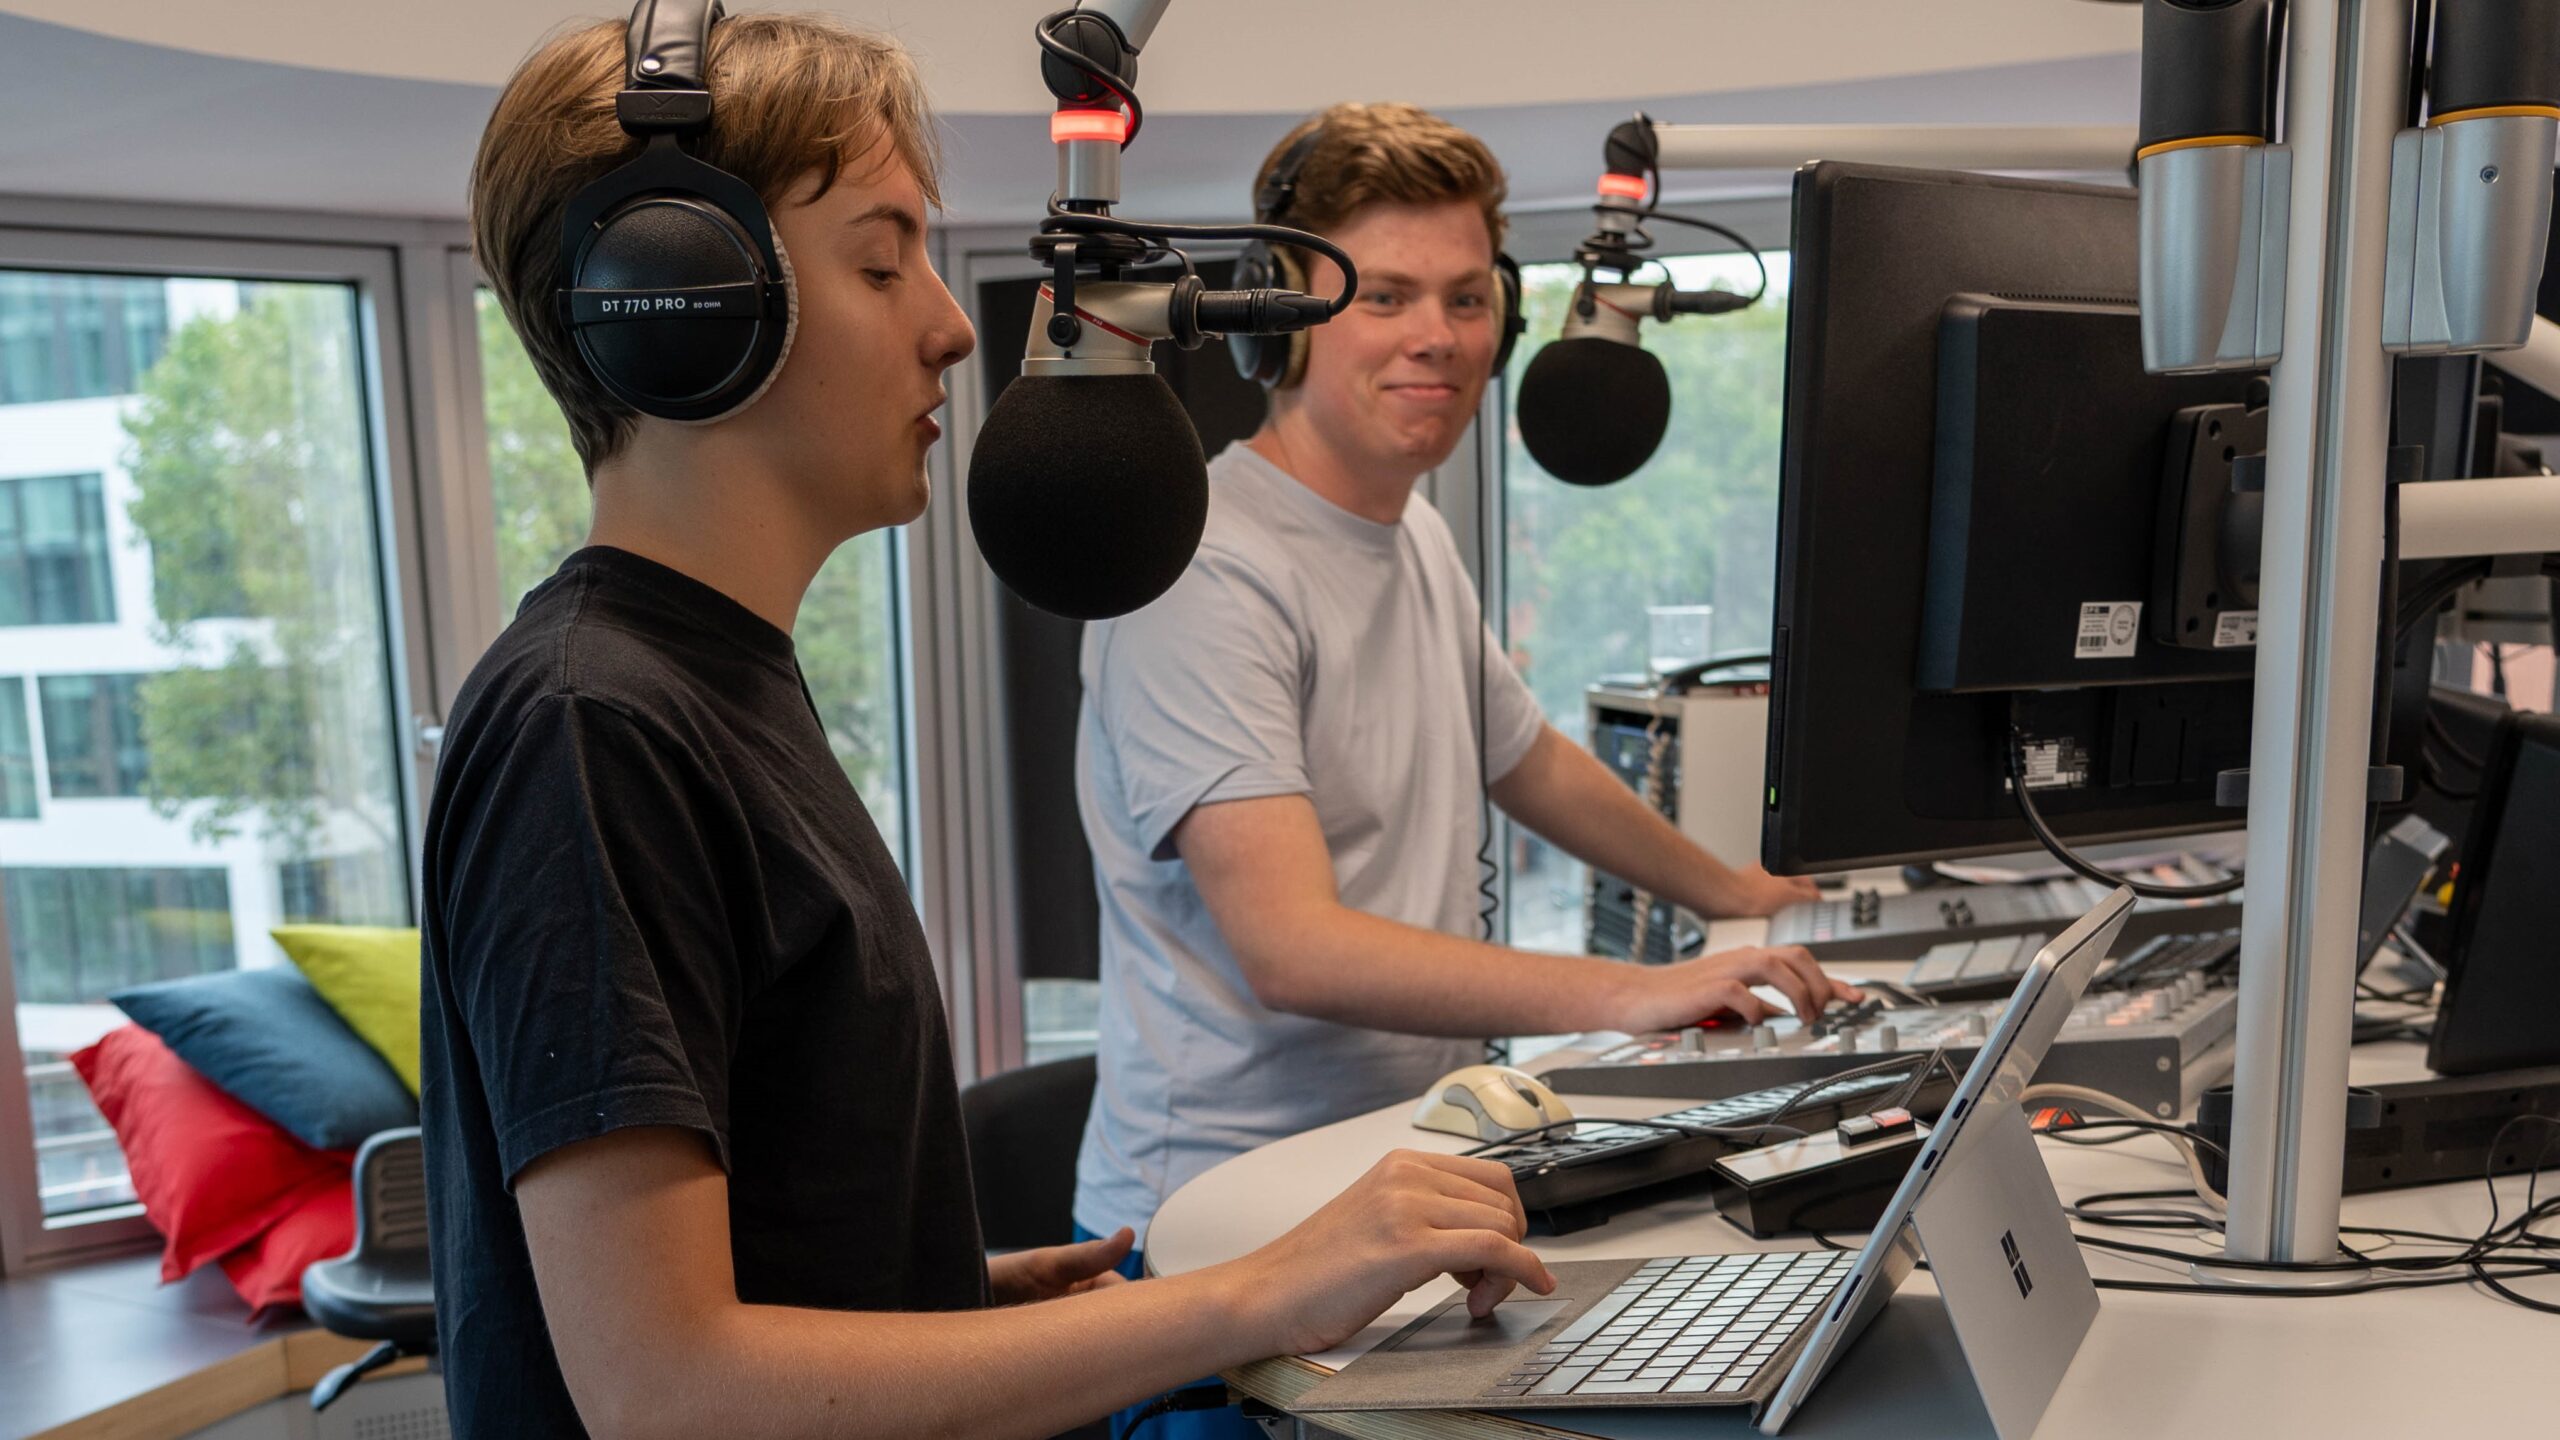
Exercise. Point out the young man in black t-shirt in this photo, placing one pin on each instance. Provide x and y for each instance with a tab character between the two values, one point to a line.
693	1135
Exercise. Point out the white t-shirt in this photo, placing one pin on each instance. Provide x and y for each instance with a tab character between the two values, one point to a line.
1307	651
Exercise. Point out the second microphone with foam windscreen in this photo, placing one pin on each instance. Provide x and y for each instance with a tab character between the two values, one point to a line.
1594	404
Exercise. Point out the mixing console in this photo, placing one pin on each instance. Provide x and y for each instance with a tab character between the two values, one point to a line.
2157	1048
1869	925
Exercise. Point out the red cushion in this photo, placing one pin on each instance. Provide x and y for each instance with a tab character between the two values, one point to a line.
322	1226
213	1174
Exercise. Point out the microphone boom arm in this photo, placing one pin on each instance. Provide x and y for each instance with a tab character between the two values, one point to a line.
1091	321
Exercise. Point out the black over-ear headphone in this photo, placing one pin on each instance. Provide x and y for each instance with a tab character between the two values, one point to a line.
671	278
1279	361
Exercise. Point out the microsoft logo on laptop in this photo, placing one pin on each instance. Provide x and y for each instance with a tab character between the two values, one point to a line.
2017	1267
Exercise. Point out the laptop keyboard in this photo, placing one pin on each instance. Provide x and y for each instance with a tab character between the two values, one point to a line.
1703	1325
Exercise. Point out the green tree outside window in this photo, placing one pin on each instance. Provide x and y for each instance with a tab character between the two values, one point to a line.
249	452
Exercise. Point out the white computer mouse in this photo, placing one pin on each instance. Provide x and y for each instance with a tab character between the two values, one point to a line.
1489	1102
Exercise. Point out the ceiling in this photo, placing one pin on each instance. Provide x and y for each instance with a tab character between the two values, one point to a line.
163	102
1301	54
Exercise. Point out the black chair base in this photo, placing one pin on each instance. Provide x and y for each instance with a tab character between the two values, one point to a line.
335	1383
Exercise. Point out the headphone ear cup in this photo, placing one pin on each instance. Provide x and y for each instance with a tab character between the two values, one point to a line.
1512	318
1292	346
772	370
690	368
1262	359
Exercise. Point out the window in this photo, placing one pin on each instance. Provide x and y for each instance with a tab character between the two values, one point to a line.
79	932
848	630
75	935
361	889
53	551
77	337
1698	525
222	429
17	753
93	736
1060	1018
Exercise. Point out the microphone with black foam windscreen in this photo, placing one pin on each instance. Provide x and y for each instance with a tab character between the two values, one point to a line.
1087	488
1594	403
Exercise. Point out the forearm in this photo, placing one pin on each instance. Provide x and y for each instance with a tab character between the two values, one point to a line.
1025	1370
1331	962
1568	798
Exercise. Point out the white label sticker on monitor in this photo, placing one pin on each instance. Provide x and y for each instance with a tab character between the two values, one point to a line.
2052	763
2235	627
2109	629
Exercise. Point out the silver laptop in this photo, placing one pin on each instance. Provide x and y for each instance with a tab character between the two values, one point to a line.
1762	1330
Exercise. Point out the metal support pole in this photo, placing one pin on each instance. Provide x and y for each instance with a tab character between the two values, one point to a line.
2328	438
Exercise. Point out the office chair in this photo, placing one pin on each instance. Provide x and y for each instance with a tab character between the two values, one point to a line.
380	1290
1024	1128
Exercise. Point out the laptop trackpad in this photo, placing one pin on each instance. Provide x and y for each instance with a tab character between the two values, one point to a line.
1454	1329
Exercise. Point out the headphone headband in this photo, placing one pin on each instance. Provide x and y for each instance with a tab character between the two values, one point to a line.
1279	189
673	283
666	62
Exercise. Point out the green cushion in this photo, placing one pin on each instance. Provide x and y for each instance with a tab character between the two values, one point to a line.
370	977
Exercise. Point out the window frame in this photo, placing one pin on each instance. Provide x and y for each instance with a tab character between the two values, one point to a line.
380	261
961	804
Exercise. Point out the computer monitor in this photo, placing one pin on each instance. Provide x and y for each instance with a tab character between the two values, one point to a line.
2502	987
1988	532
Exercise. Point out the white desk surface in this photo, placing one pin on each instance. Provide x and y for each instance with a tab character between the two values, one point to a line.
2446	1360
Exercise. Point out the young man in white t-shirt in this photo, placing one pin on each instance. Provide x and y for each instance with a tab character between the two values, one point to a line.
1277	762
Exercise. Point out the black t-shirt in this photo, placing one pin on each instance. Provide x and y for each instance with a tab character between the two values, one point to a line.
653	898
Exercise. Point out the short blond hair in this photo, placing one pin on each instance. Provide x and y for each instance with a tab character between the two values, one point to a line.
792	95
1386	153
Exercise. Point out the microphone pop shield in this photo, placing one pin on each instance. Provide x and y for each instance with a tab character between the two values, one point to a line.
1088	493
1592	411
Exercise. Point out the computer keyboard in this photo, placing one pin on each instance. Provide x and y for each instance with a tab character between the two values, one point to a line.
1572	1183
1705	1324
1988	969
2214	955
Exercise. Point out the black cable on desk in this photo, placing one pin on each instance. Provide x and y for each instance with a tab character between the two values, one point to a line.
1813	1088
2084	1209
1541	1132
2163	1127
2489	1258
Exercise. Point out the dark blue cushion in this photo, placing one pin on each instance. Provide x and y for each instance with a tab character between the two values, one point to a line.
268	1040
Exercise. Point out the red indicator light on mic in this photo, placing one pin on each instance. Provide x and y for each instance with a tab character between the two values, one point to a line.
1622	187
1111	125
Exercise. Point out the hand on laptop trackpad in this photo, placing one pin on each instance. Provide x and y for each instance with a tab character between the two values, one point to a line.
1509	1324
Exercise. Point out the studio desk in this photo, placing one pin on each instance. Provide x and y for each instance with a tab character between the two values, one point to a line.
2450	1360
